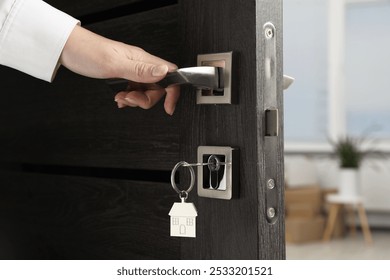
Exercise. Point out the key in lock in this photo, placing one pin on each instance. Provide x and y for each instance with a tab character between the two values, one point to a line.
217	170
214	174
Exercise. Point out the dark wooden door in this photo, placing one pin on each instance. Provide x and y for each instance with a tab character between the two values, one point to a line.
80	179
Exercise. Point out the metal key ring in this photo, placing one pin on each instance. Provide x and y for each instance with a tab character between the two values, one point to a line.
174	186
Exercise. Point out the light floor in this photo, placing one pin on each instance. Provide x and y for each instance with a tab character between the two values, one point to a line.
348	248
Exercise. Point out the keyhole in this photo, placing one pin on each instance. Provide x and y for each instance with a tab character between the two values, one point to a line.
214	172
214	163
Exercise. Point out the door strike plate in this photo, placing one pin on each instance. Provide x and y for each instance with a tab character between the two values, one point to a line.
217	176
224	96
271	136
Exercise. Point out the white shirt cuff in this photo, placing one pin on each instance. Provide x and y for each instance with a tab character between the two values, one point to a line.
33	37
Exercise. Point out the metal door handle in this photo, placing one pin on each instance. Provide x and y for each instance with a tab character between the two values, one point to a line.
201	77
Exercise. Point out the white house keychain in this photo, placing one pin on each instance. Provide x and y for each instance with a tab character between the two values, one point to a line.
183	214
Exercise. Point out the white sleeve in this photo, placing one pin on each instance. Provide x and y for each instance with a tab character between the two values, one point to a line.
32	36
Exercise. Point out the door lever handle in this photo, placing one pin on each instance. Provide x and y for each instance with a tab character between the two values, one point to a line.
201	77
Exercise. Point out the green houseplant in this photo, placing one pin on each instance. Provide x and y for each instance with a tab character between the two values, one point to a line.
350	153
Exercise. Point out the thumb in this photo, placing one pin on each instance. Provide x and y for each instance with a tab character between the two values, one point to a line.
142	72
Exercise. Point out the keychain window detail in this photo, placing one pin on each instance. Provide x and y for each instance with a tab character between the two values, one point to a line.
190	221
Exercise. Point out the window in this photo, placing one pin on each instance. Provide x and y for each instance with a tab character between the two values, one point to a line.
305	58
367	57
190	222
175	221
341	63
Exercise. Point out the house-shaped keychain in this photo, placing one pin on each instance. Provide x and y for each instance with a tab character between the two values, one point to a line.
183	219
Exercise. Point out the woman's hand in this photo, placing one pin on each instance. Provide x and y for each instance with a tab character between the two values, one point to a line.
92	55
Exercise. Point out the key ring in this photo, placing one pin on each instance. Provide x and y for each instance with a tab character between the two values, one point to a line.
182	194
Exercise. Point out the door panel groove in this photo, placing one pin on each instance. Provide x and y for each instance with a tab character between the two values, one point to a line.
124	10
160	176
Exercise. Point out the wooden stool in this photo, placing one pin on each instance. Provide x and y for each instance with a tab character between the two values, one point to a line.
336	201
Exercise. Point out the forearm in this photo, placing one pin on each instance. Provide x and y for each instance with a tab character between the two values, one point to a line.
92	55
89	54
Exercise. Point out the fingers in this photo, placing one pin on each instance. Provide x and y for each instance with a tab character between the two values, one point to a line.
144	100
120	99
173	94
142	72
141	55
148	99
143	67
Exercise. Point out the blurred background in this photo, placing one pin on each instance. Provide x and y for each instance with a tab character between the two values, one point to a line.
338	52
